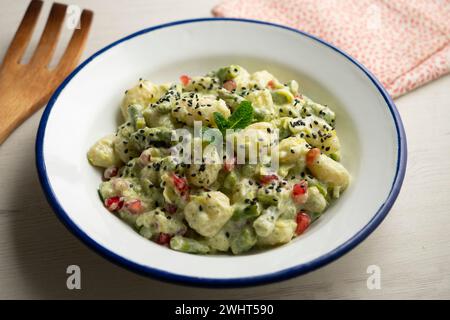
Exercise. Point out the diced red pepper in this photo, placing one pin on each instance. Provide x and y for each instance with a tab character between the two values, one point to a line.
311	156
171	208
185	79
113	203
229	85
299	192
303	222
110	172
300	188
134	206
180	183
268	178
163	239
229	164
181	186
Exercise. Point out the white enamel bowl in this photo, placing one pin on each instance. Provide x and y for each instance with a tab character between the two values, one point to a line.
85	107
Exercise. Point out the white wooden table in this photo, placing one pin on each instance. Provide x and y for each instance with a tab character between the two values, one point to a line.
411	247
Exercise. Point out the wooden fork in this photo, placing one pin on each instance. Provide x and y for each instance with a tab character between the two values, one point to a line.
24	88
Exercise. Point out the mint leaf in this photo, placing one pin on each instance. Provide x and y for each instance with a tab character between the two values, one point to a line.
242	116
221	122
239	119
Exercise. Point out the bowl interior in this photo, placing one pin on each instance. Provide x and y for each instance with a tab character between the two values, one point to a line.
87	108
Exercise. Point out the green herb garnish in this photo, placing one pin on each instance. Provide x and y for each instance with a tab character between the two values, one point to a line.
221	122
239	119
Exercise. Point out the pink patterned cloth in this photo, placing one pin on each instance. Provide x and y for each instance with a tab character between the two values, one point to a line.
405	43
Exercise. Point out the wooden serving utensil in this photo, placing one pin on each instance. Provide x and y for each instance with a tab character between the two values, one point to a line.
24	88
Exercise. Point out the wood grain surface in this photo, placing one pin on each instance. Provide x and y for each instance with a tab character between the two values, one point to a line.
411	246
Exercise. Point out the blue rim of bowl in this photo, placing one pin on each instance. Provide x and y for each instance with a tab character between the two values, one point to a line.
232	282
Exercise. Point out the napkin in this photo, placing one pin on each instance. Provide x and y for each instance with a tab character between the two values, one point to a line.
404	43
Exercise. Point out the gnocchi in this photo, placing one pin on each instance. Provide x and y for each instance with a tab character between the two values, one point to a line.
281	174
